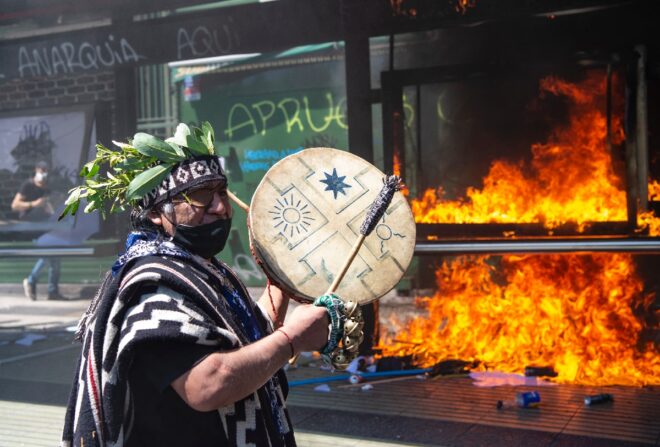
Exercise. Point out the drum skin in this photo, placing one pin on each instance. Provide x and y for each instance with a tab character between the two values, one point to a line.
305	216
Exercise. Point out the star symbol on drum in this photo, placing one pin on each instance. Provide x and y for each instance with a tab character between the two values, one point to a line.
335	183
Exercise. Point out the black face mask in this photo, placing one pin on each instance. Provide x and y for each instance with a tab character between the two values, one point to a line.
204	240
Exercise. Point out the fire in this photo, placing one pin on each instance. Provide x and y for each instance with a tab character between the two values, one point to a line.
399	7
396	170
463	5
647	220
580	314
396	165
570	178
654	190
576	316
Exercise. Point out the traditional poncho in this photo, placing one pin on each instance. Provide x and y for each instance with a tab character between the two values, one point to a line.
209	307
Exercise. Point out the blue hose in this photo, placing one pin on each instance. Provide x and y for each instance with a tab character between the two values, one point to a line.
366	375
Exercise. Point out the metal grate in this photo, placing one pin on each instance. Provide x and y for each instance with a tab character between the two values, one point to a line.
157	106
157	112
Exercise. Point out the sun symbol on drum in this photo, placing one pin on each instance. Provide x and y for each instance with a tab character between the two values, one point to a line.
385	233
291	215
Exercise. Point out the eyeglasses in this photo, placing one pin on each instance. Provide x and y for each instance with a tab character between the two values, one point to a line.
201	197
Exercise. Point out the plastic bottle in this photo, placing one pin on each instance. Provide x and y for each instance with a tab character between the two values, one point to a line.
529	399
598	399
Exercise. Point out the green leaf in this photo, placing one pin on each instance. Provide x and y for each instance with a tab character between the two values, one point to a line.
180	135
71	205
74	195
196	147
89	169
121	145
146	181
65	211
209	136
91	206
178	150
131	164
74	207
102	150
207	129
94	184
154	147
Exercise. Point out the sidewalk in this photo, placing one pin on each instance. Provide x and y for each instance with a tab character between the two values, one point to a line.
37	358
25	424
17	311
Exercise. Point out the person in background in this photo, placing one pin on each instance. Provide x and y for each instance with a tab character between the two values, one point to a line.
32	204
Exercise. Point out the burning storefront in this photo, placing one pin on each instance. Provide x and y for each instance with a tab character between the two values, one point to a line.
587	307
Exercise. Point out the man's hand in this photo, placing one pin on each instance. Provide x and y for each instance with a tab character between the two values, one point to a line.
40	202
307	326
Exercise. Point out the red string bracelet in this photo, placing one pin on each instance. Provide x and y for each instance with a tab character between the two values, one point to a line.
293	352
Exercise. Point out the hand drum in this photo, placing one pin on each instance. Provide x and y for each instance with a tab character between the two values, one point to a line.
305	216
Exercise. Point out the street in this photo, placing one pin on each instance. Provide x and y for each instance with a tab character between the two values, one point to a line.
37	358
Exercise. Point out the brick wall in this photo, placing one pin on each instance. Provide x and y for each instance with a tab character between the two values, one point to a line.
38	92
32	94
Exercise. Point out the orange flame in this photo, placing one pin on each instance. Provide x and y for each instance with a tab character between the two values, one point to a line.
396	170
576	316
572	312
569	179
396	165
654	190
463	5
647	220
398	7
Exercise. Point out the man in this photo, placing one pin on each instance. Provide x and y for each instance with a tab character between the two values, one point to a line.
175	352
31	202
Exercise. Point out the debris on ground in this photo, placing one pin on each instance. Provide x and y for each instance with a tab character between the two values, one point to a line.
598	399
528	399
540	371
496	378
452	367
29	338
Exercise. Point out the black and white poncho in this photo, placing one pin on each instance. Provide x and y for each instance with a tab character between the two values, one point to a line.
122	318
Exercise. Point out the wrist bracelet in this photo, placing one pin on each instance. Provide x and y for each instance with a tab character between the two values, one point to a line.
293	352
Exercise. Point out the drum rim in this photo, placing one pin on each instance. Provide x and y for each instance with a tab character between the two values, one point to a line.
256	251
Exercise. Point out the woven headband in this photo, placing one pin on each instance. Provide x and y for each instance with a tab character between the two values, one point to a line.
185	175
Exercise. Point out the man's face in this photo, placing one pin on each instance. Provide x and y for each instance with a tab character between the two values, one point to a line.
203	204
40	175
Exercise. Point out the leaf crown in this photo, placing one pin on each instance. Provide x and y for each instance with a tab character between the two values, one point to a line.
119	179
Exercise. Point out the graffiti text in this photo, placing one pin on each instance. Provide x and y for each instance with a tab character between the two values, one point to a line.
68	57
296	115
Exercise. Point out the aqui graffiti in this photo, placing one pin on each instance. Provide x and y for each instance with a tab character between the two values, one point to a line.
202	42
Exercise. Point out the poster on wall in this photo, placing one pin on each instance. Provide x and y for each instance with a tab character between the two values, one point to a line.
59	140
